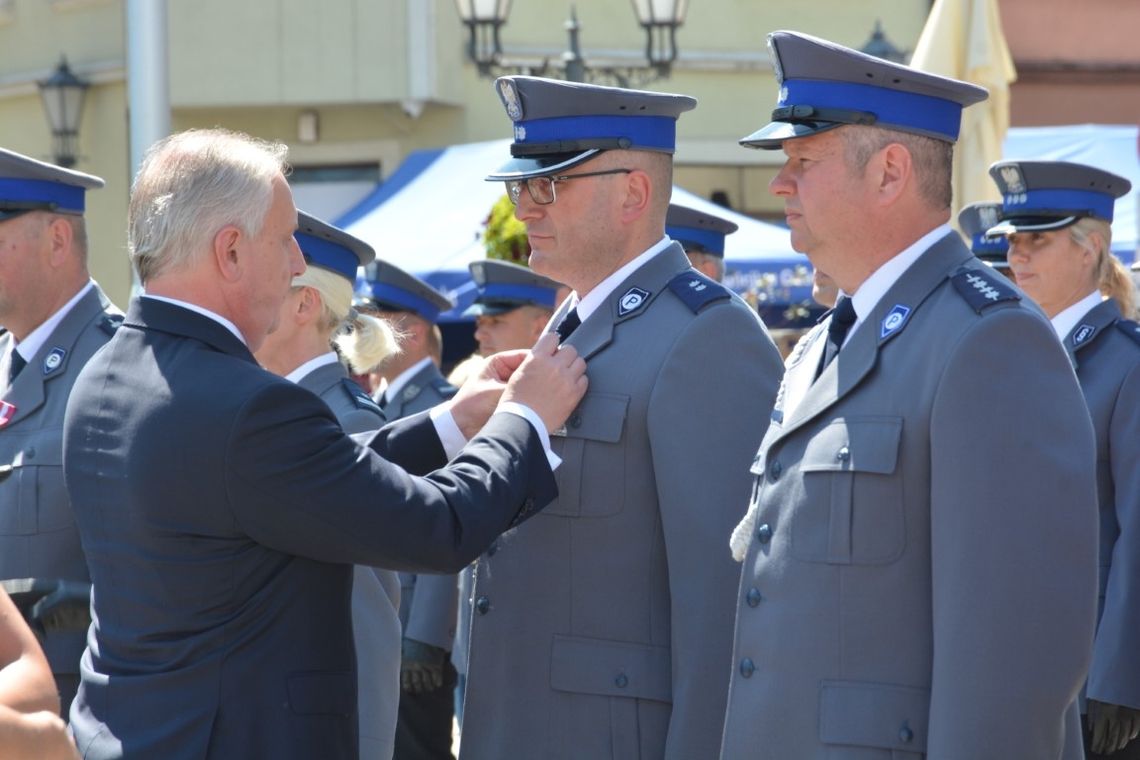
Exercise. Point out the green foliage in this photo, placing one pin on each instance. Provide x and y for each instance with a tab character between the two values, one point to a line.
504	237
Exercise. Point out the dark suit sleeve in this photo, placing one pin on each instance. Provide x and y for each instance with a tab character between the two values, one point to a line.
1013	541
722	367
411	443
1115	673
297	483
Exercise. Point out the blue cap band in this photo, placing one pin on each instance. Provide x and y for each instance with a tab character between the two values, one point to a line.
390	294
65	197
502	291
713	242
651	132
891	107
1076	202
329	255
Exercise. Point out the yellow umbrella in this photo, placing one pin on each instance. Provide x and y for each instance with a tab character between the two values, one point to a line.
963	39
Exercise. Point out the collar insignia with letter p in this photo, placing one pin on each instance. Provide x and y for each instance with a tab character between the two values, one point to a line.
894	320
632	300
53	360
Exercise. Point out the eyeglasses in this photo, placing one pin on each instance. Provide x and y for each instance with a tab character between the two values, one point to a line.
541	189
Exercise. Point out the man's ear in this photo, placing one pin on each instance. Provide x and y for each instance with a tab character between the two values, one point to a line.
226	250
60	234
638	194
895	171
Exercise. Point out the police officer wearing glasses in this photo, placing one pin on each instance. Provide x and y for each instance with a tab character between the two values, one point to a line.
601	630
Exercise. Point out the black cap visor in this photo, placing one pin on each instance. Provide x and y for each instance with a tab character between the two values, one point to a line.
1014	224
525	167
772	136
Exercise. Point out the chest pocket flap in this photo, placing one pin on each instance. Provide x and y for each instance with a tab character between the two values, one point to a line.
852	512
590	444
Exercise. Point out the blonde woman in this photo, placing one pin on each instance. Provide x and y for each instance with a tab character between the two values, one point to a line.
1057	217
317	322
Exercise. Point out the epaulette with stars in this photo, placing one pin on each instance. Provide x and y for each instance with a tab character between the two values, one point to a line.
982	288
109	323
696	290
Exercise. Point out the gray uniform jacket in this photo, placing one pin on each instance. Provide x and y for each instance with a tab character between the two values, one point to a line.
921	578
1106	353
428	602
375	591
603	630
38	538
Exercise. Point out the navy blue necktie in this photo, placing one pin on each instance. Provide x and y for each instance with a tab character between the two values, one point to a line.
842	317
17	363
568	325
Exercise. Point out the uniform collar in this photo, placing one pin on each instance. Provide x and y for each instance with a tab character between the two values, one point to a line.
204	312
596	297
1065	320
35	340
313	364
405	377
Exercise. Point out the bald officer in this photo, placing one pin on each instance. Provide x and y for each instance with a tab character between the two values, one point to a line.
975	221
56	318
603	631
428	602
702	236
901	597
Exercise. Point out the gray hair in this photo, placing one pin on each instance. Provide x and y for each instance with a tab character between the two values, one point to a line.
193	184
933	159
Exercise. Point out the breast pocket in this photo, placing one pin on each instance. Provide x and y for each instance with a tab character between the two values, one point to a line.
591	478
852	511
33	488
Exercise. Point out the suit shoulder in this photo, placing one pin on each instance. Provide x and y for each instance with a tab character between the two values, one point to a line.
1130	329
982	288
697	291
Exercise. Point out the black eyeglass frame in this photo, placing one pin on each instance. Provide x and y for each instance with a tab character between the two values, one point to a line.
514	186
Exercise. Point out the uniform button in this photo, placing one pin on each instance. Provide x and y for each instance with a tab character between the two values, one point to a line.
747	668
905	734
31	452
621	681
753	597
482	605
764	533
844	454
775	470
575	420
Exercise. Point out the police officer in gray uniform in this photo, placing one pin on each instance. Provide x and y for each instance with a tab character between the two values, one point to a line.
56	318
428	602
317	316
900	596
603	631
1057	220
702	236
975	220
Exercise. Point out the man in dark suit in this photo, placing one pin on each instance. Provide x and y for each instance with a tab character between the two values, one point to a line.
222	507
56	318
428	601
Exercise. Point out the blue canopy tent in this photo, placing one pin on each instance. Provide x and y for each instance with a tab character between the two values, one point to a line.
428	219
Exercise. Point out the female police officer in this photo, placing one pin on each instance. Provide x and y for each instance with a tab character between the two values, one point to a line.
1056	216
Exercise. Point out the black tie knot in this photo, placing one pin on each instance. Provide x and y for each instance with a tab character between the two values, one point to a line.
568	325
16	364
842	317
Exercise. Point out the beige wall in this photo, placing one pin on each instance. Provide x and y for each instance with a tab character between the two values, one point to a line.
386	77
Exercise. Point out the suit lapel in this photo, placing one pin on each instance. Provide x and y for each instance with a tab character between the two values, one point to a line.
887	320
28	392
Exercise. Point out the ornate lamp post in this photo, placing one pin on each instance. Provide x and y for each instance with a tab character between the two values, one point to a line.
62	94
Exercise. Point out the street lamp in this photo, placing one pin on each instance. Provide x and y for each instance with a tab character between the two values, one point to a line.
659	18
62	94
879	46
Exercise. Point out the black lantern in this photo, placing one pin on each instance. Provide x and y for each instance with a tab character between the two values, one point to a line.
880	47
62	94
659	18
